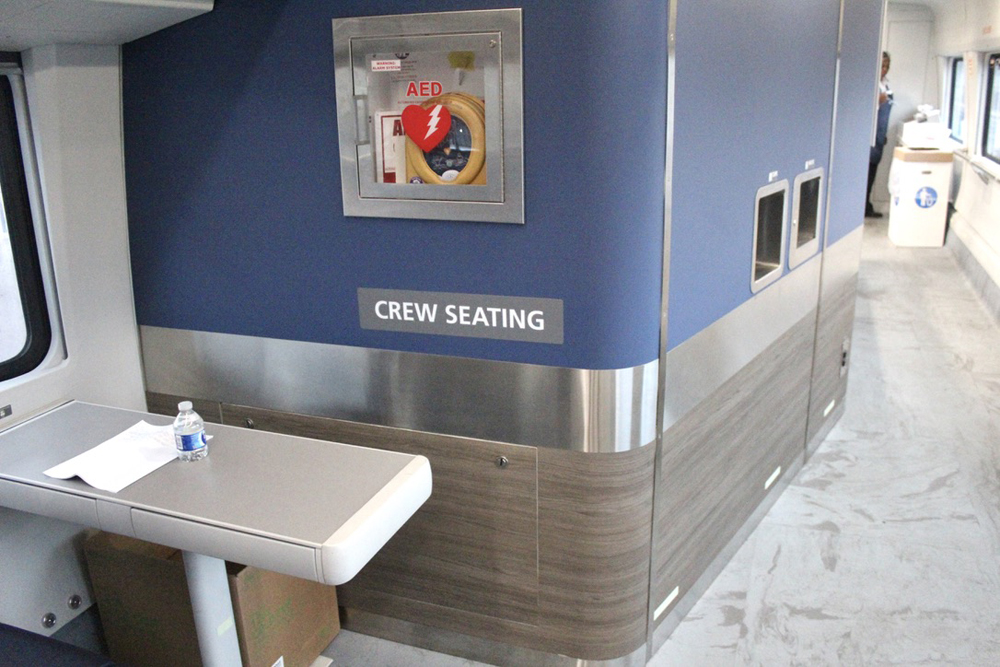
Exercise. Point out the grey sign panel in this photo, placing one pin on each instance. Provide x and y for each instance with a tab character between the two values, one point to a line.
528	319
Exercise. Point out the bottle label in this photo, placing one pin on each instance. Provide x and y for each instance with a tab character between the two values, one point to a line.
191	442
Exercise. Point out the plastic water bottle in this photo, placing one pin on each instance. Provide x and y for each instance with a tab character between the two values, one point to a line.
189	434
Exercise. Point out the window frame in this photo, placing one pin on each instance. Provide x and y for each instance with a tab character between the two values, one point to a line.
992	67
955	65
23	240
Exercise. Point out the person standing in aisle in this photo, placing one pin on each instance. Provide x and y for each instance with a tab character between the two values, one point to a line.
881	132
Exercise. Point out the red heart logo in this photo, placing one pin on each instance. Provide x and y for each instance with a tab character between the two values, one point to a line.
426	127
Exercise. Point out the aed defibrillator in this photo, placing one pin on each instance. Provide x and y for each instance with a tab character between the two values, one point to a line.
460	158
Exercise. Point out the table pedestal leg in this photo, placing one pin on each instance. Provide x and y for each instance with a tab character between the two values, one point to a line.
213	610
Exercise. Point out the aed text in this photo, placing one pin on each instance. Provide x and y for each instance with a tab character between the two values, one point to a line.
423	89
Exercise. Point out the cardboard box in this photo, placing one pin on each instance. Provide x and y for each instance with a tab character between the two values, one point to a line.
145	608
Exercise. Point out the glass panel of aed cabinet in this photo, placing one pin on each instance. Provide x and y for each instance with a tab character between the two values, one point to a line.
451	81
991	128
769	233
956	104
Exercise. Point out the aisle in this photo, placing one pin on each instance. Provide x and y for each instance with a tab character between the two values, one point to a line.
886	547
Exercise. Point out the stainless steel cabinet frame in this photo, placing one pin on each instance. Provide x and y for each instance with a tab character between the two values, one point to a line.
372	53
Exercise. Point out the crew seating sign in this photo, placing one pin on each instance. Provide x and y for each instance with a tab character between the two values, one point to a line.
528	319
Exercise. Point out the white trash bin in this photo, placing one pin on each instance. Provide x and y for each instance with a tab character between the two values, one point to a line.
919	184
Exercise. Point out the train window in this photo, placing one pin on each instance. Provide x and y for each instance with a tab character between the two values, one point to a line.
25	330
991	124
769	234
956	100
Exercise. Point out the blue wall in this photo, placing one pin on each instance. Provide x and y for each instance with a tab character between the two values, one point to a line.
754	94
859	71
233	183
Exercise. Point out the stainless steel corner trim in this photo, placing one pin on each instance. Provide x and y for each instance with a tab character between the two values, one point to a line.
700	365
668	217
668	186
833	126
564	408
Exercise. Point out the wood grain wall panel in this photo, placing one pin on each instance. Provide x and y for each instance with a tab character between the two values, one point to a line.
550	553
474	543
166	404
836	323
594	518
716	459
594	535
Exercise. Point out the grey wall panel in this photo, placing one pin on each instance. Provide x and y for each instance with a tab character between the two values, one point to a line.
594	519
545	406
550	551
829	380
473	545
702	364
669	621
593	558
717	458
834	327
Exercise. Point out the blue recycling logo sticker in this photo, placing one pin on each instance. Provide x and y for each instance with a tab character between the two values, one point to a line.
926	197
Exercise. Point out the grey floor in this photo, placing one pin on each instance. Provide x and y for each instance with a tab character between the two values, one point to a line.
885	549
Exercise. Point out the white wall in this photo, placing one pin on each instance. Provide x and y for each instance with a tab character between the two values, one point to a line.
74	99
963	25
913	77
971	29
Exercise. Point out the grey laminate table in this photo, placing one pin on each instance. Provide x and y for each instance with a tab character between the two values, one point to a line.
308	508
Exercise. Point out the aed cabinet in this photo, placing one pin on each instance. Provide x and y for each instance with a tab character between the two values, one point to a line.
429	115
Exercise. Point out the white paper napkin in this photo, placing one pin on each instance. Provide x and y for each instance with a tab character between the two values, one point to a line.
121	460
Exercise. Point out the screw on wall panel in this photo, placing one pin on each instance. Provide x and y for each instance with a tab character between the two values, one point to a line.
49	620
74	602
502	462
249	423
493	43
